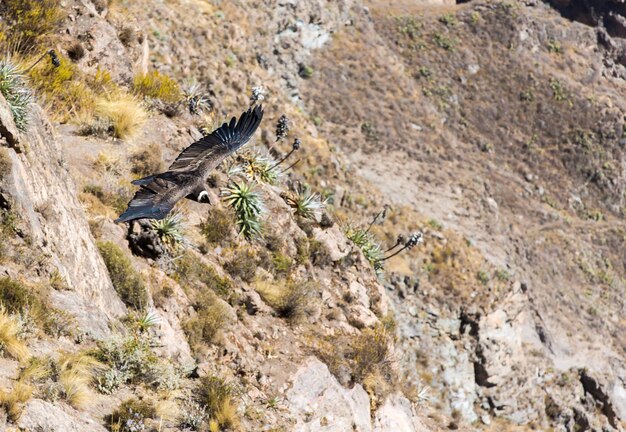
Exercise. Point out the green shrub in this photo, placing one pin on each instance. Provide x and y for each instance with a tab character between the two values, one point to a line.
127	281
130	416
14	296
218	225
16	92
158	86
170	230
302	250
281	263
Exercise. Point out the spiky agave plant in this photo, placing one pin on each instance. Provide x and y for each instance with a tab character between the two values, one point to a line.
370	247
305	203
14	88
248	206
171	231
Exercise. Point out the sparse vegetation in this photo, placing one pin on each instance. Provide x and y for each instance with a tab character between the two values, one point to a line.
248	207
5	163
126	280
306	71
147	161
559	93
218	225
158	86
75	374
131	415
445	42
15	90
191	270
448	20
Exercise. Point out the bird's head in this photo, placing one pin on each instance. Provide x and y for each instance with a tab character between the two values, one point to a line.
203	197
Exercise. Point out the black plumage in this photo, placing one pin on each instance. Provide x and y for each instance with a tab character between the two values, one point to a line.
187	175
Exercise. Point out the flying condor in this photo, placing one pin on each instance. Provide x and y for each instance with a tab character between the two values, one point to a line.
187	176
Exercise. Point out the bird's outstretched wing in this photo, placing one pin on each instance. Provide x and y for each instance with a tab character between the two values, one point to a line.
156	198
222	142
160	192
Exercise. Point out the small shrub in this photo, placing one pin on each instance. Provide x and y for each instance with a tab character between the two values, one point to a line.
126	280
191	270
289	299
128	360
218	225
281	263
305	71
302	250
9	337
448	20
435	224
218	398
148	161
158	86
371	353
76	51
131	415
16	92
503	275
14	296
248	207
123	112
483	277
243	265
211	317
30	21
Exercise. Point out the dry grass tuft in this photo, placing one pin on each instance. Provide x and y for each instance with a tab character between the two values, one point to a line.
76	373
5	163
124	113
12	401
131	415
218	397
218	226
9	340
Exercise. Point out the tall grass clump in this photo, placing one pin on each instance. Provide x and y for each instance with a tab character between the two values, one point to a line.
123	112
10	342
248	207
15	90
126	280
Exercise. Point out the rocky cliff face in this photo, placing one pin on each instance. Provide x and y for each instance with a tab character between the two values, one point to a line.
494	128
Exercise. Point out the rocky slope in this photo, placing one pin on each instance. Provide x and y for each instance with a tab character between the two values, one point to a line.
494	128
